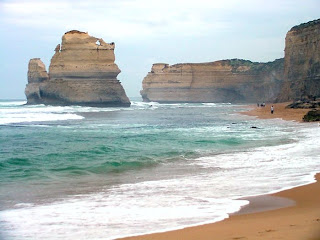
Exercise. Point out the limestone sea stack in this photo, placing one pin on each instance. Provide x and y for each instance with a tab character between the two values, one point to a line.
221	81
82	72
302	62
37	74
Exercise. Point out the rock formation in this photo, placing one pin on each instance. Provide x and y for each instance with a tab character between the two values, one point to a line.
298	76
312	116
302	62
36	75
221	81
82	72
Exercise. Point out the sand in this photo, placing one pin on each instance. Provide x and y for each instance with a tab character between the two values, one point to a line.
292	214
280	111
299	221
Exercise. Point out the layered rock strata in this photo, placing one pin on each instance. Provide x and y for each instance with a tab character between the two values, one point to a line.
36	75
82	72
221	81
302	62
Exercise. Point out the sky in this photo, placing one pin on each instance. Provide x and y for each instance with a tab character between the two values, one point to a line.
146	32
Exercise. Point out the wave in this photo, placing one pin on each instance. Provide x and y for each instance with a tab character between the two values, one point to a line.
17	112
8	103
12	112
36	117
177	193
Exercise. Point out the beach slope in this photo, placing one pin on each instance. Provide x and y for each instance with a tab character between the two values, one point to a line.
280	111
292	214
298	222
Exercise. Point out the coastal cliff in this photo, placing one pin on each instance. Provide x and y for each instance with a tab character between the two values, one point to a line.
302	62
232	80
82	72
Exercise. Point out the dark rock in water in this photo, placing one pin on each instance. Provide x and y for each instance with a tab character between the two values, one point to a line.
312	116
82	72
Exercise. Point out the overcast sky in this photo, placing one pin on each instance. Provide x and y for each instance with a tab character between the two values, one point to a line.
146	32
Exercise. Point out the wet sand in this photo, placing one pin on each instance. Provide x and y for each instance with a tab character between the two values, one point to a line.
296	217
280	111
292	214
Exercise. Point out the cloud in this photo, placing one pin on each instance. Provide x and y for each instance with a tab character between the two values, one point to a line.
137	20
150	31
130	19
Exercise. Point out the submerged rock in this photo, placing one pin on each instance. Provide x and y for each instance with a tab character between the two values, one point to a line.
82	72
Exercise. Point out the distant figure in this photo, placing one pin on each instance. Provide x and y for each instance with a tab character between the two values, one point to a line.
258	104
272	109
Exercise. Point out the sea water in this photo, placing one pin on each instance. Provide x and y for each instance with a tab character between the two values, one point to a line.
101	173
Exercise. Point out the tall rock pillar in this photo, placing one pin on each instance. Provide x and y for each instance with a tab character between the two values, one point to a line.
83	72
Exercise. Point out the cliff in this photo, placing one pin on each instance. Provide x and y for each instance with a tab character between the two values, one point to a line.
82	72
221	81
302	62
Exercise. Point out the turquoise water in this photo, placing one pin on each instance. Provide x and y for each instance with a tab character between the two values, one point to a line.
101	173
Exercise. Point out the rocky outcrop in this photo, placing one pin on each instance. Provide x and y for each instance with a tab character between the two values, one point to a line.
82	72
36	75
221	81
306	103
302	62
312	116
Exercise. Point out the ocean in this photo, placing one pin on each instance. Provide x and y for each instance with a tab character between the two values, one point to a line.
100	173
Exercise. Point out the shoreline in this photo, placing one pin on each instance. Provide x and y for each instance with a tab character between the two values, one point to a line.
292	214
280	111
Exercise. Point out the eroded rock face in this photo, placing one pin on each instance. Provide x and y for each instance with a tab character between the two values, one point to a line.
37	71
82	72
36	75
302	62
221	81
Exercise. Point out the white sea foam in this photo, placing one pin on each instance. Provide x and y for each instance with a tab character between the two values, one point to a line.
12	103
206	193
37	113
176	202
18	112
124	210
39	117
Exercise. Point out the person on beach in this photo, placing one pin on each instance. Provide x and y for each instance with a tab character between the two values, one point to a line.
272	109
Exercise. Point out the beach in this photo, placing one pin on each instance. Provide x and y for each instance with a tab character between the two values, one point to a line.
290	214
298	222
91	173
280	111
